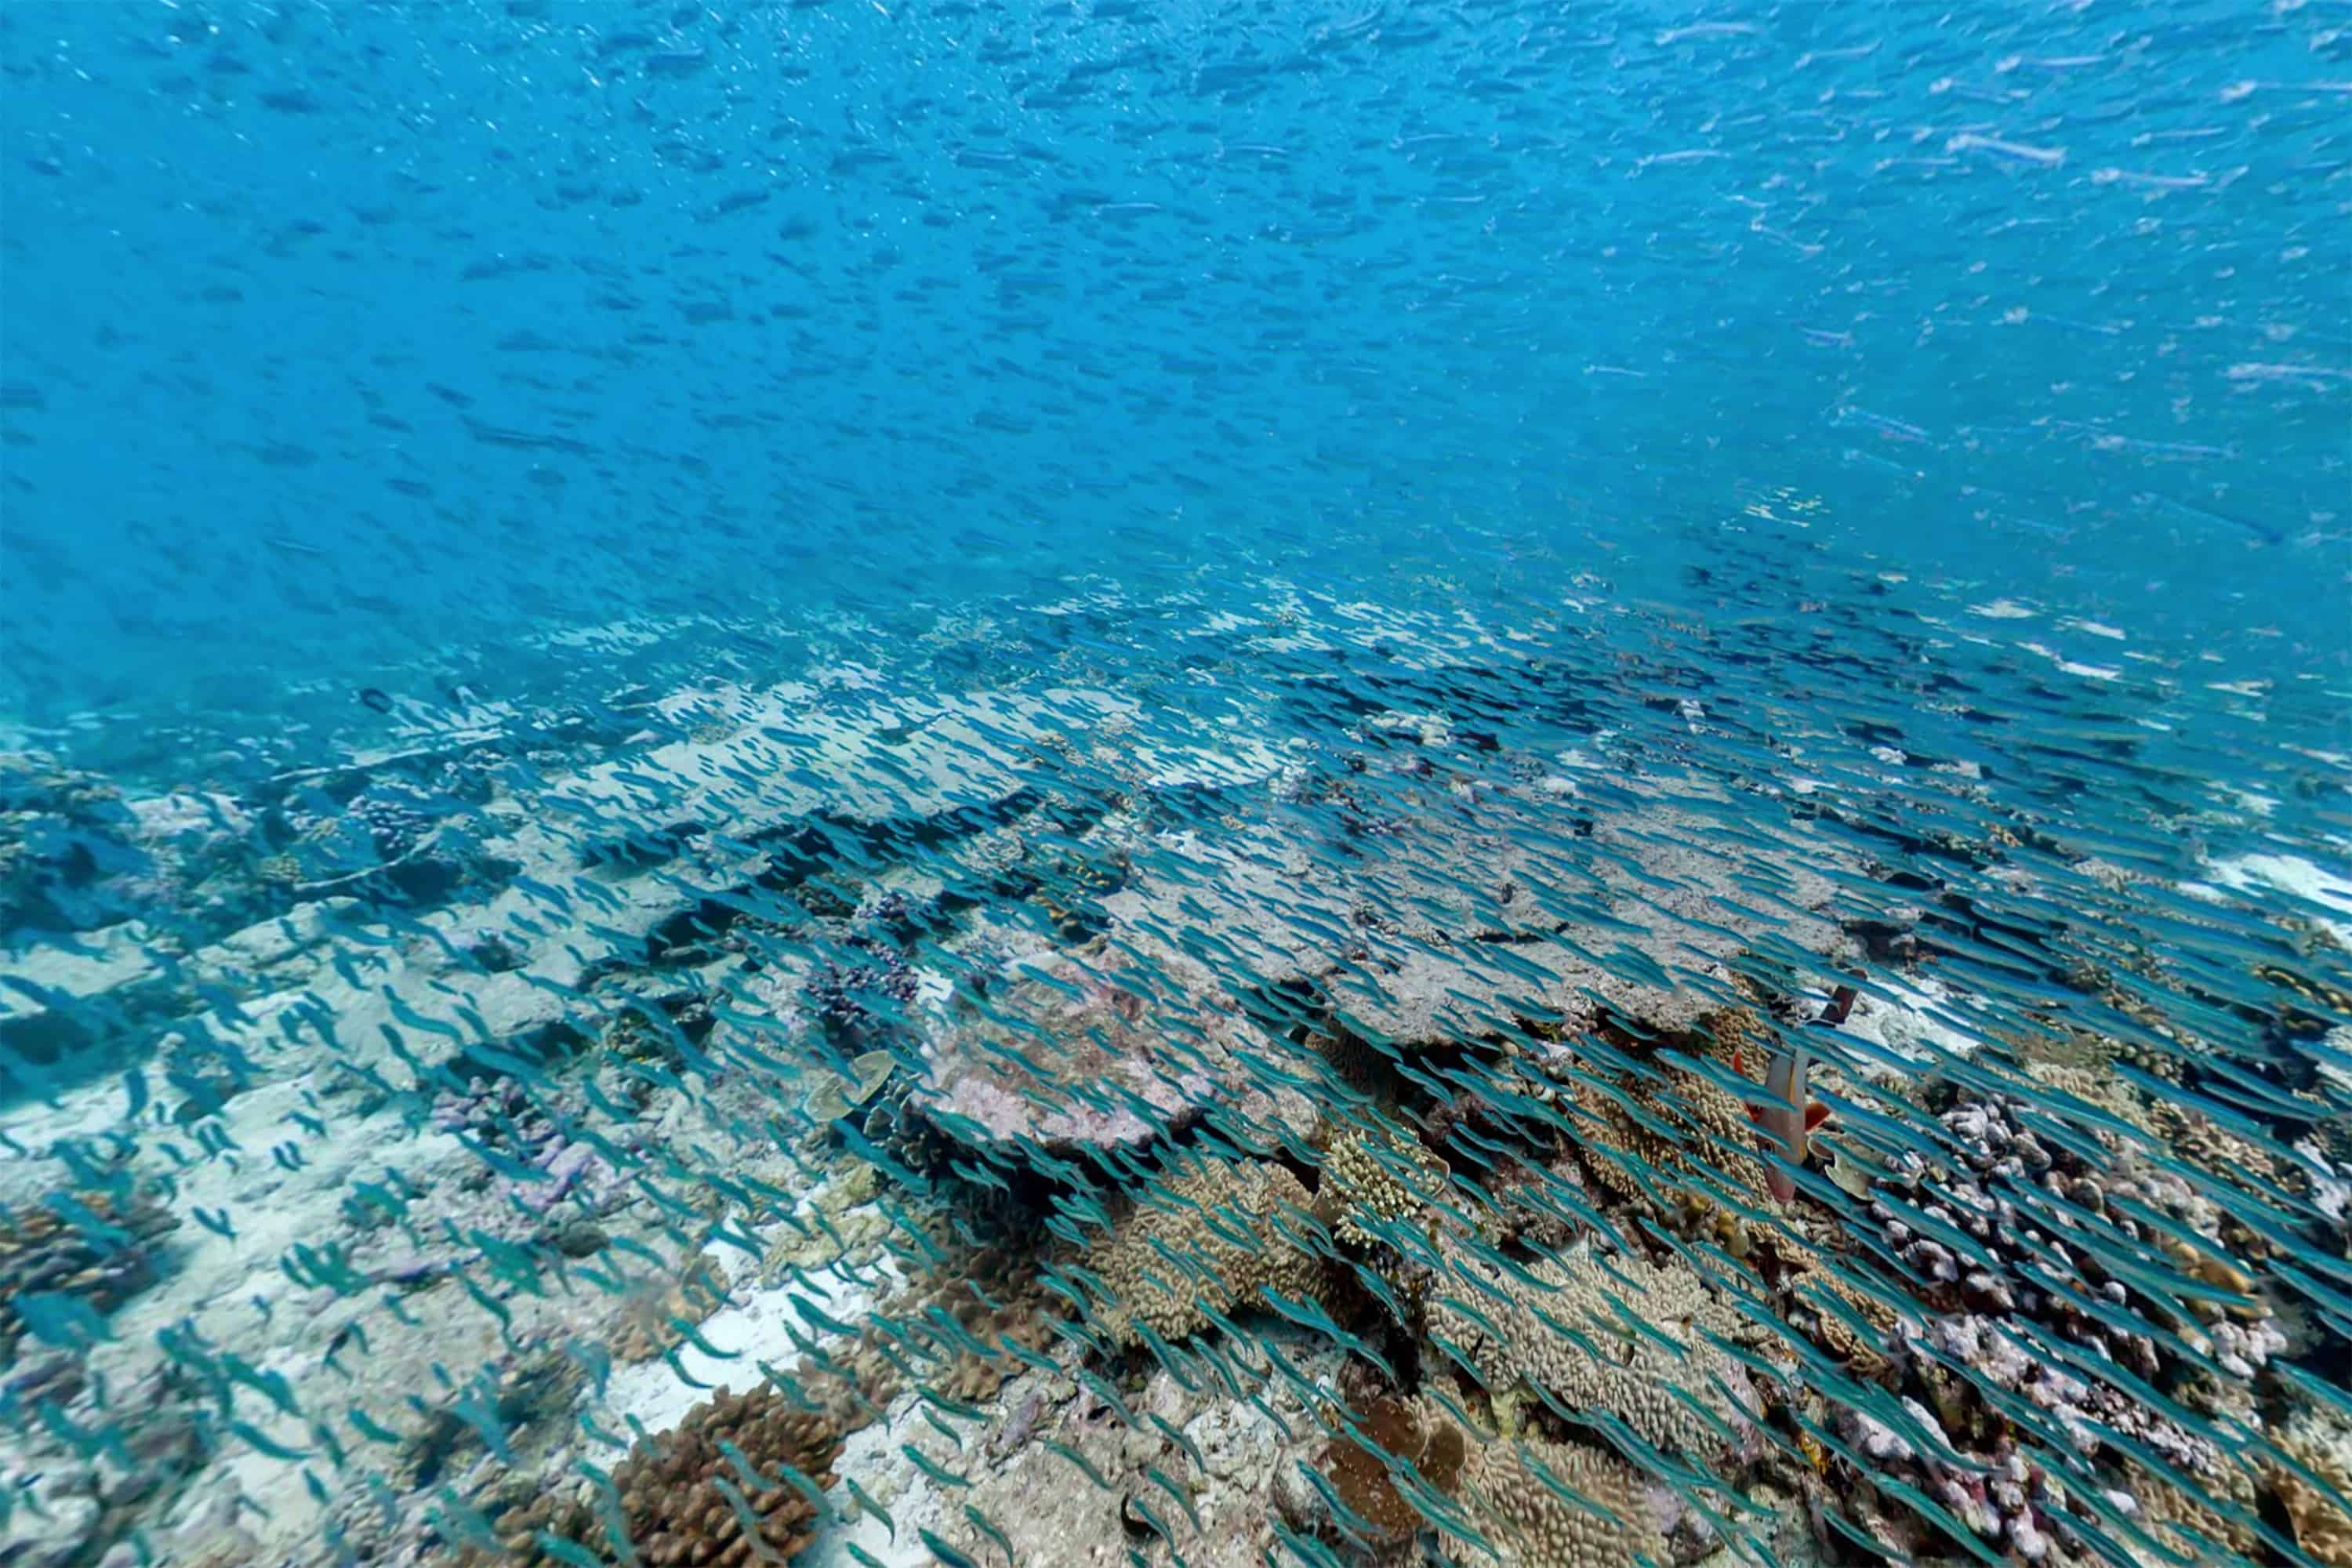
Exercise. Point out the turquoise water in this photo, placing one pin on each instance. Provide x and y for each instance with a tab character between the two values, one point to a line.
344	340
1325	783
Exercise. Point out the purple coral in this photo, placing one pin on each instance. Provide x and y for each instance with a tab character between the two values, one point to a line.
500	1111
504	1113
854	1002
393	825
898	916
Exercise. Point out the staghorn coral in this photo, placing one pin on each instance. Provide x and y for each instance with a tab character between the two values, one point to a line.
92	1246
1535	1527
1603	1363
1179	1253
501	1112
683	1495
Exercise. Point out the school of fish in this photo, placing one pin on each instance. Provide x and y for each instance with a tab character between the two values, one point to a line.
1332	1086
1331	784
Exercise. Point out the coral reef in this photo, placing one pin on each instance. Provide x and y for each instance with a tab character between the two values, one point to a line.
832	1095
658	1320
2314	1486
858	1001
1518	1486
1135	1172
94	1247
525	1398
738	1481
66	847
67	1508
1588	1337
1218	1234
1373	1177
1073	1053
1383	1469
1658	1132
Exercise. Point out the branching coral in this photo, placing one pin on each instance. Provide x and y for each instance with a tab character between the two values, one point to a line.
1519	1487
2187	1523
89	1245
1854	1323
976	1300
1666	1133
1211	1241
1373	1180
651	1324
1623	1339
2322	1523
737	1481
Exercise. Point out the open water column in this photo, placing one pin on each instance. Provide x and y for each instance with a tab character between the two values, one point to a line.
1334	783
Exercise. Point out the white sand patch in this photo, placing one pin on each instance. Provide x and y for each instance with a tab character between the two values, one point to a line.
2094	628
2073	667
2260	874
873	1458
1912	1024
755	1327
1250	762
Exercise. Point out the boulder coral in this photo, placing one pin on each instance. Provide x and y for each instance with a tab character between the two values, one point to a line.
738	1481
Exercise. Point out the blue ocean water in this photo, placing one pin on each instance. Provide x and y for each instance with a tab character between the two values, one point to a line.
348	338
1354	784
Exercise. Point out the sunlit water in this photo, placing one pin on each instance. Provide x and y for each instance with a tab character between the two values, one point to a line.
1328	783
